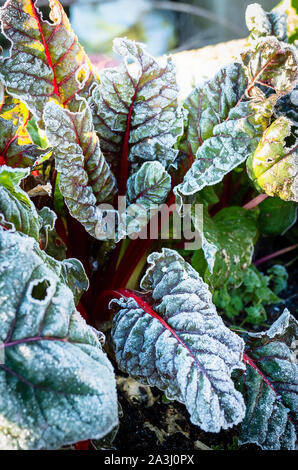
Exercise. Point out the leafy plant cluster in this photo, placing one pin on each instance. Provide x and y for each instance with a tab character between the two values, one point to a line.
72	140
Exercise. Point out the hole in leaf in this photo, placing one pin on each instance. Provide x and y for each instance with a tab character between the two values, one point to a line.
39	291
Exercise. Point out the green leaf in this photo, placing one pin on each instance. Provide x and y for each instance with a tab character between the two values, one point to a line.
270	386
37	135
136	114
228	243
249	298
146	190
233	140
15	205
56	385
74	276
173	339
49	239
279	277
276	216
261	23
210	104
271	64
85	179
16	146
47	218
290	8
46	60
274	167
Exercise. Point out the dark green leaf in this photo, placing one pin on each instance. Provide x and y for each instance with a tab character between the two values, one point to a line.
276	216
15	205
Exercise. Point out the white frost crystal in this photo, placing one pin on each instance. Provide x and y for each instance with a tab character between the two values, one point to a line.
191	358
56	384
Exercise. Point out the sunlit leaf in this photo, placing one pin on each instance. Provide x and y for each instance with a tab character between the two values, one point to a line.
16	208
261	23
85	179
46	61
135	109
16	146
274	167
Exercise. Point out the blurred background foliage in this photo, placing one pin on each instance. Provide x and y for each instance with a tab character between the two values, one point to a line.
165	26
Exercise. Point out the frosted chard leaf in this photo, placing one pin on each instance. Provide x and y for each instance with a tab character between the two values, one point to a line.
16	147
210	104
232	142
261	23
270	386
46	60
274	167
85	179
47	219
173	338
135	110
146	190
16	207
74	277
290	8
241	123
271	64
228	244
50	241
233	139
56	384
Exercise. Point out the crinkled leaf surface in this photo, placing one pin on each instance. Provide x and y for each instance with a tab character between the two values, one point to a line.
146	190
179	343
228	244
271	64
232	141
85	179
261	23
57	386
270	386
276	216
15	205
16	147
135	109
210	104
46	61
274	167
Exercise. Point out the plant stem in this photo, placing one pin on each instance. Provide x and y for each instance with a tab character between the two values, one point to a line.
274	255
255	202
135	252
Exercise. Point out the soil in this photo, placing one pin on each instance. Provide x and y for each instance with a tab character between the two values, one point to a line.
149	424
